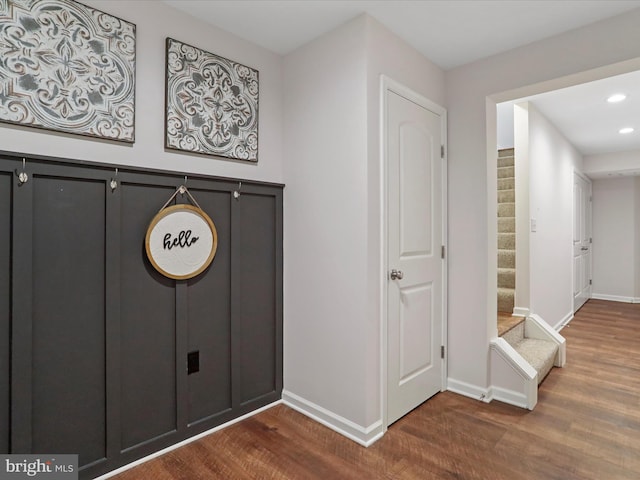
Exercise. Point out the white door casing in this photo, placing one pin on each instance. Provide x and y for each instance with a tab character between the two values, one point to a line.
413	137
581	241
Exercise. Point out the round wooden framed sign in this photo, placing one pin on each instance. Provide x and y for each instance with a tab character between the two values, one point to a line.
181	241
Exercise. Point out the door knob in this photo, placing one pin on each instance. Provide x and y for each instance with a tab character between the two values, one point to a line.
396	274
584	249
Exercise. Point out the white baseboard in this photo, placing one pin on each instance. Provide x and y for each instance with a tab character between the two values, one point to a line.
185	442
564	322
365	436
520	312
468	390
615	298
510	397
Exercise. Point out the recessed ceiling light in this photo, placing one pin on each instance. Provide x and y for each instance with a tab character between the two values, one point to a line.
626	130
618	97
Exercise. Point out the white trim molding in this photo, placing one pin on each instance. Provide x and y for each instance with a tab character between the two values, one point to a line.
520	312
510	397
365	436
468	390
513	380
185	442
615	298
562	323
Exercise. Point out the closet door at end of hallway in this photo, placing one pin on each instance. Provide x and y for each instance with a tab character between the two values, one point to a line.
68	379
5	291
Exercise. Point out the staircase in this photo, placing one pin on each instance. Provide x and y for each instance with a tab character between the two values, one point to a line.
527	347
521	358
506	231
539	353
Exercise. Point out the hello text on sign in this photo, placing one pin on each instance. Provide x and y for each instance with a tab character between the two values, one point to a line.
181	241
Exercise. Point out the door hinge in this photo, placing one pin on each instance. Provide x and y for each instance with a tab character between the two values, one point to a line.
591	240
442	252
441	351
590	282
441	151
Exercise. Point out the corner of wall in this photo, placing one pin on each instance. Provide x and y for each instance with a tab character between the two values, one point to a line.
365	436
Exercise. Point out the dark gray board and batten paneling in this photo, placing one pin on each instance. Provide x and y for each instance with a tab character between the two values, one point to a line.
68	339
257	276
147	322
101	340
209	314
5	308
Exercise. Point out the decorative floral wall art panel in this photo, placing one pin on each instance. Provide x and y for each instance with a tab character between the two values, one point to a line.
67	67
211	104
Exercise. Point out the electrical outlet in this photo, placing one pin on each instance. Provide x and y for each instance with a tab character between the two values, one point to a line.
193	362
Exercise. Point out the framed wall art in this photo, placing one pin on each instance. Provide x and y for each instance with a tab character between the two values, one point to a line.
211	104
67	67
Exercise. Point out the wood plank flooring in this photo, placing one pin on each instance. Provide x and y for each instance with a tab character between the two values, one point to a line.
586	426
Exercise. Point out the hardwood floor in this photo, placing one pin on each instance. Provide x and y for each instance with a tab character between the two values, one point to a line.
586	426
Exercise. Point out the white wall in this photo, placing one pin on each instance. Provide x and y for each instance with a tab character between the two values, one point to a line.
332	219
387	55
326	328
595	51
154	22
615	222
522	304
612	164
505	125
552	162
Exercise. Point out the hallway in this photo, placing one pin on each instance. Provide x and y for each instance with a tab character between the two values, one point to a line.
586	426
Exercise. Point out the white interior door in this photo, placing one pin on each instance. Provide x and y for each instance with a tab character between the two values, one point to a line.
415	239
581	241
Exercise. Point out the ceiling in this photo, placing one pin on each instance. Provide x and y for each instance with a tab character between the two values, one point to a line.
584	116
461	31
